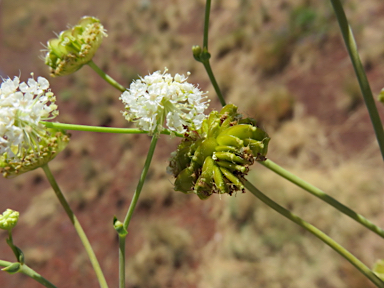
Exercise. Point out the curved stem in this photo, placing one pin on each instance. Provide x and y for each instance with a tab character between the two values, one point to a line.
105	76
78	228
318	233
323	196
101	129
131	208
360	73
31	273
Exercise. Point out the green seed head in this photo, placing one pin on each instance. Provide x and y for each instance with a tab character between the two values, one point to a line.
74	47
215	158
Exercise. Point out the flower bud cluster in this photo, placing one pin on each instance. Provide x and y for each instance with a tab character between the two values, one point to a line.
215	158
74	47
25	143
9	219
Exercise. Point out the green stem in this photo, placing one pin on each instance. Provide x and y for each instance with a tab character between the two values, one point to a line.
207	67
105	76
132	206
122	261
31	273
316	232
360	73
141	181
323	196
204	57
101	129
206	24
13	247
78	228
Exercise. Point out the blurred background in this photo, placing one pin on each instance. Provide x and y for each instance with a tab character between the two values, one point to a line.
283	63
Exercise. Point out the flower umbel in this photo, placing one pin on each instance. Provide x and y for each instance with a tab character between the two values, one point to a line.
9	219
25	144
215	158
74	47
159	98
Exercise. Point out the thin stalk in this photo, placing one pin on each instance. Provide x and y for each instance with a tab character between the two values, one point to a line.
31	273
122	261
10	244
205	54
318	233
78	228
141	181
322	195
206	24
360	73
101	129
131	208
105	76
207	67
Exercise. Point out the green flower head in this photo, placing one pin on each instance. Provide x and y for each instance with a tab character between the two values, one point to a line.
9	219
215	158
74	47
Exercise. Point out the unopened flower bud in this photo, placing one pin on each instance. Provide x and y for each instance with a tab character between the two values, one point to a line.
215	158
199	54
196	51
119	227
74	47
9	219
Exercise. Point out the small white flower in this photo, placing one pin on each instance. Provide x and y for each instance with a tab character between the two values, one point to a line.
22	107
159	98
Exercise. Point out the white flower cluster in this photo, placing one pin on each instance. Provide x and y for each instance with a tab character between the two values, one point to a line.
22	106
159	98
